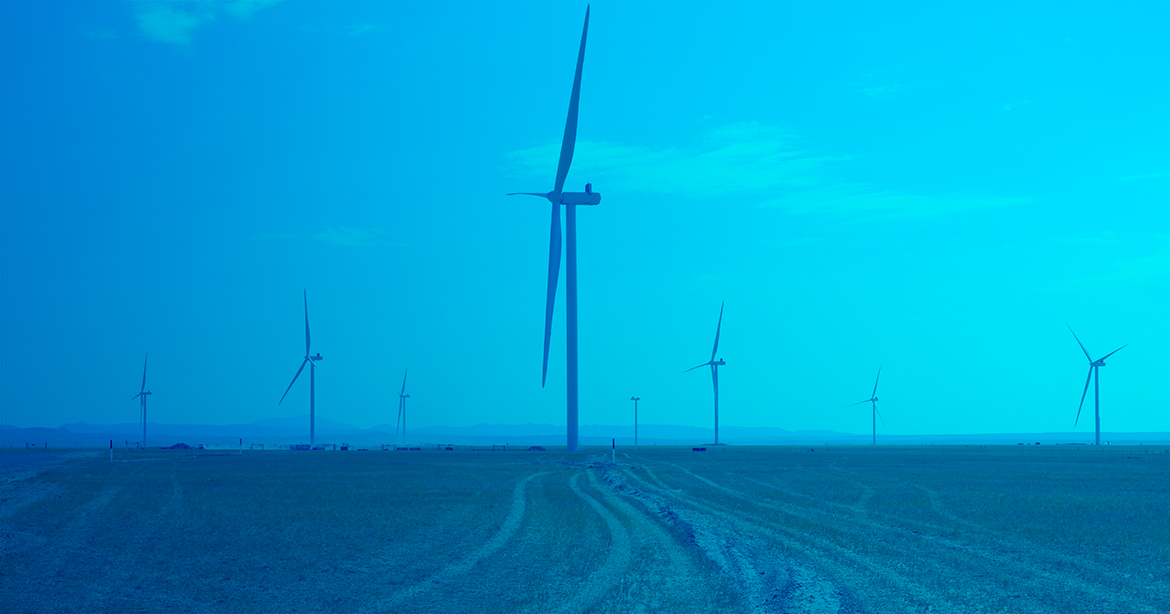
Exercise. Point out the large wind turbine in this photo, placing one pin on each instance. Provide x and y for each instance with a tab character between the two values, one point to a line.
142	394
570	200
715	364
312	361
872	400
402	397
1094	367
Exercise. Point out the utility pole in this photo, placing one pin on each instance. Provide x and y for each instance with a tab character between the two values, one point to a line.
635	400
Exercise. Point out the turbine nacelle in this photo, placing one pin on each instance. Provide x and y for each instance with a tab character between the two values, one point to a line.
317	358
588	197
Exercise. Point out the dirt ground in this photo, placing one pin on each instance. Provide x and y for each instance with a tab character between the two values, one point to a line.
768	529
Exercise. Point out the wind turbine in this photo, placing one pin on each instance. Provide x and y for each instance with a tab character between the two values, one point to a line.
402	397
312	362
715	364
142	394
1094	367
872	400
570	200
635	400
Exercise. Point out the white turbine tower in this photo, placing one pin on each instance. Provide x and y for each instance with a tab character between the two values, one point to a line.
312	362
872	400
715	364
1094	368
570	200
142	394
402	397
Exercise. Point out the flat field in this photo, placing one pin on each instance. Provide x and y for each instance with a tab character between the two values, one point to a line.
737	529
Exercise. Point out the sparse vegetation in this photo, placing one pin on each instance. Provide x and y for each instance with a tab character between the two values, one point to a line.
766	529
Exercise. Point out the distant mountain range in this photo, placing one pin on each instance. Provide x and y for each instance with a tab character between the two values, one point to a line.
277	431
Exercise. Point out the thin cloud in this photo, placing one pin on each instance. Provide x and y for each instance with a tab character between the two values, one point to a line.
359	29
733	159
353	237
877	84
100	33
880	91
273	236
869	202
1145	177
1102	238
1149	269
755	163
176	22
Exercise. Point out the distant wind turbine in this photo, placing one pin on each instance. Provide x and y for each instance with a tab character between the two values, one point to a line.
402	397
570	200
142	394
1094	367
873	401
635	400
715	364
312	362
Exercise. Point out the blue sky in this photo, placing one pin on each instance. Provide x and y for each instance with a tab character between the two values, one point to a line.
936	188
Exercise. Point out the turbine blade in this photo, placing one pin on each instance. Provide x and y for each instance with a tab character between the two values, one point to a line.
136	396
1079	342
526	194
1083	394
717	328
1112	353
554	269
316	367
306	322
875	381
144	370
404	382
570	138
857	403
399	420
696	367
294	380
879	413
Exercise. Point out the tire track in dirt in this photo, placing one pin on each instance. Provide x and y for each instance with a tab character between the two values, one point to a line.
1024	556
1037	552
948	555
617	558
667	575
849	536
450	572
745	552
133	571
74	542
836	561
16	493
